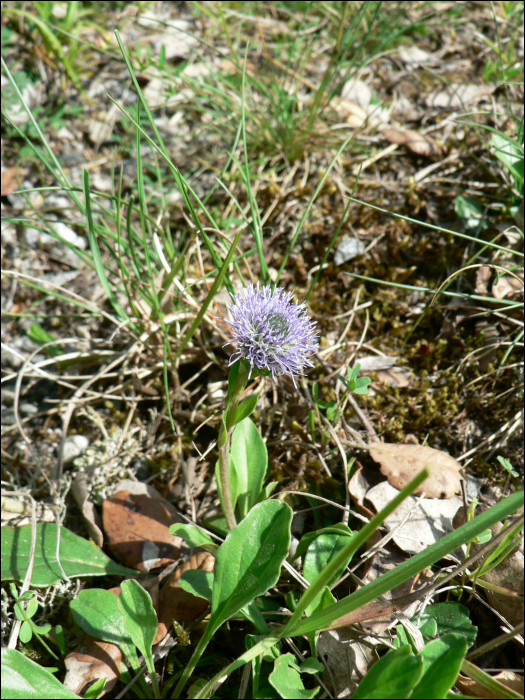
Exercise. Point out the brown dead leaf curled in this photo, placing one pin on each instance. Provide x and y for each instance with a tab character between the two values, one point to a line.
358	487
399	378
417	143
90	514
509	575
508	285
483	275
401	463
457	96
137	527
177	604
91	661
471	688
10	179
352	113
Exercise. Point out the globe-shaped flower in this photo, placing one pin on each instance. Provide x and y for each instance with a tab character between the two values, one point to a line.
272	332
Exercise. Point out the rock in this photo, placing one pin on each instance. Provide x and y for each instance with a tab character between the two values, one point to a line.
346	250
28	409
69	235
73	447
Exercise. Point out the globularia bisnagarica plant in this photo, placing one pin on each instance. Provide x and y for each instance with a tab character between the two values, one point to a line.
274	337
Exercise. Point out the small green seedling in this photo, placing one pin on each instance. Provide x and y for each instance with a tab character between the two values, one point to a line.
28	628
357	385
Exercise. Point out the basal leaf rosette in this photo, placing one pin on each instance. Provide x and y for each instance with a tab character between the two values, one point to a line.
271	332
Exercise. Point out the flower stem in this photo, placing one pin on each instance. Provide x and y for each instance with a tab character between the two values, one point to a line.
227	507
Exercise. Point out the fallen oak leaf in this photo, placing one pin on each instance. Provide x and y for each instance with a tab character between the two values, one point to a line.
401	463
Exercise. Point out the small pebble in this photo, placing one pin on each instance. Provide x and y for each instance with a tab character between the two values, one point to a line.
73	447
28	409
348	248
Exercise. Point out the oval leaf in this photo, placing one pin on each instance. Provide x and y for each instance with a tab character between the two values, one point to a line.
23	678
97	612
251	460
287	681
194	537
77	556
140	619
393	676
249	561
245	409
442	660
198	583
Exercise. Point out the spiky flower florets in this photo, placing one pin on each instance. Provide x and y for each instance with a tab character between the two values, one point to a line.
271	331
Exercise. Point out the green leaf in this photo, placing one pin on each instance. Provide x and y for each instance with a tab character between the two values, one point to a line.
251	460
39	336
471	213
252	613
95	251
77	556
324	619
32	607
194	537
509	154
442	659
306	540
287	681
25	632
325	599
198	583
361	385
319	555
249	561
23	678
94	691
311	665
267	491
451	617
97	612
245	409
393	676
140	619
216	523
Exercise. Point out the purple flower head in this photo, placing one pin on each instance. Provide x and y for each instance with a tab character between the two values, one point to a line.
271	331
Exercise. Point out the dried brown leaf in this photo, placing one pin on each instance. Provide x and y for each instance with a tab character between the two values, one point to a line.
471	688
508	285
137	527
429	520
177	604
90	514
348	655
10	178
483	275
91	661
414	141
401	463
